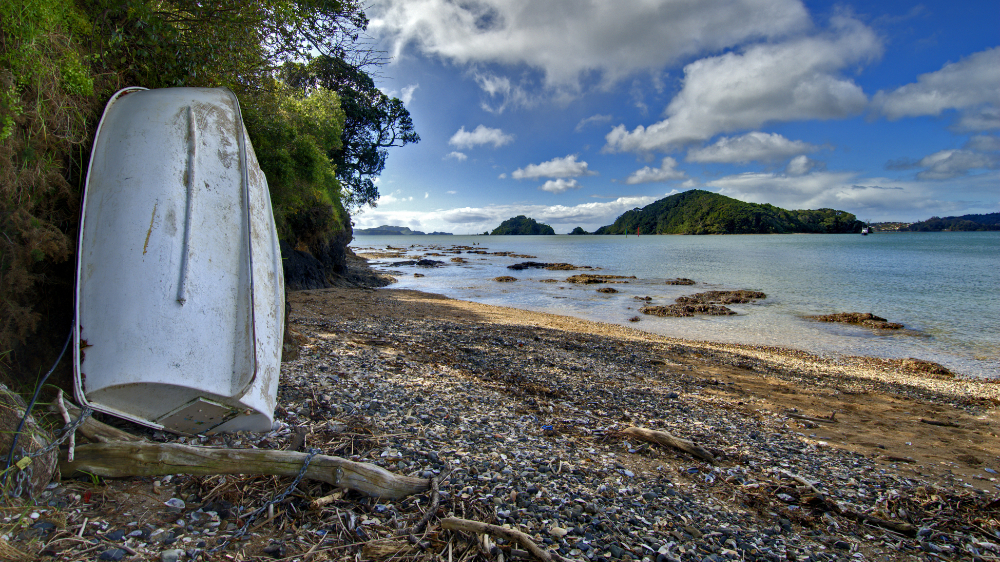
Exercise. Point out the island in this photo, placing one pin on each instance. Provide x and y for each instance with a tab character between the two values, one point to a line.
703	212
522	225
394	231
964	223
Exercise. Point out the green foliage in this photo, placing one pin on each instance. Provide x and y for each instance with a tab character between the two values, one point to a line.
60	61
374	122
703	212
964	223
522	225
291	134
578	231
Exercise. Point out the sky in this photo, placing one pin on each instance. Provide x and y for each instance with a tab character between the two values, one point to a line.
573	112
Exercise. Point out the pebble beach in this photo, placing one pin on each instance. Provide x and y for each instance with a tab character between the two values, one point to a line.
522	421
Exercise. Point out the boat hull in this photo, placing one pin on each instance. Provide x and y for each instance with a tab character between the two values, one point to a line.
180	292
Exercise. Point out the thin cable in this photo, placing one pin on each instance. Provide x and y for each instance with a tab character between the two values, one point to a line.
31	405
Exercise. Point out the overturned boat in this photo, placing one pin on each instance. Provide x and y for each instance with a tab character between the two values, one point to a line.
180	292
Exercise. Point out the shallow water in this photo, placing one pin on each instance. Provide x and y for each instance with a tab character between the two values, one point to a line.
944	287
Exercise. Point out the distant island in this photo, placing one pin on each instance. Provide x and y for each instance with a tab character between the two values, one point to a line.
522	225
964	223
395	231
579	231
703	212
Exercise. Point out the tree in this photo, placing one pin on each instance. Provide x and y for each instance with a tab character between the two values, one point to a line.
374	122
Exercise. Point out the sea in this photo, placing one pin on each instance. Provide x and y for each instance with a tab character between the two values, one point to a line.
944	287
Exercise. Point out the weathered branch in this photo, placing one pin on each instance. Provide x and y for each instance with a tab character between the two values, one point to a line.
153	459
457	524
668	440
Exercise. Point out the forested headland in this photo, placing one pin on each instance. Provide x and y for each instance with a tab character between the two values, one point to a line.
302	71
703	212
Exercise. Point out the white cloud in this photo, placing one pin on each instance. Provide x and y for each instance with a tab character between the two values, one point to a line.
565	167
501	87
666	172
593	119
984	143
404	96
947	164
460	156
566	40
481	135
755	146
790	81
801	165
502	176
426	195
467	220
394	197
560	185
972	83
868	198
451	192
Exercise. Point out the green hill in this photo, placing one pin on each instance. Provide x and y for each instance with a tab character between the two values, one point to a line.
990	221
522	225
702	212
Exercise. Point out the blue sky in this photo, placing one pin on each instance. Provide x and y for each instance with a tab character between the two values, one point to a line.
572	112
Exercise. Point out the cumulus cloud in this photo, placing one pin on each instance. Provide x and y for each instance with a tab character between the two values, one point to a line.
560	185
801	165
460	156
984	143
467	220
972	83
872	198
565	167
666	172
947	164
565	40
481	135
755	146
794	80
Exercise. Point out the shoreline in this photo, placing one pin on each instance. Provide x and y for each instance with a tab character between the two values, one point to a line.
523	419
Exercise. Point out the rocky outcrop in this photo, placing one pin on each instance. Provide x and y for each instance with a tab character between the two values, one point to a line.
590	278
543	265
741	296
709	303
302	270
505	279
680	281
866	319
683	310
607	290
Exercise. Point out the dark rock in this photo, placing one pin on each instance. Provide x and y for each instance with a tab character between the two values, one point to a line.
866	319
607	290
741	296
680	281
301	269
505	279
687	310
115	535
112	554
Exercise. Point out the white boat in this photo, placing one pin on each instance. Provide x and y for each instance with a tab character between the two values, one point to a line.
180	291
865	231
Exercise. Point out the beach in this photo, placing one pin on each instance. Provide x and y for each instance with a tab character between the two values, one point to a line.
523	419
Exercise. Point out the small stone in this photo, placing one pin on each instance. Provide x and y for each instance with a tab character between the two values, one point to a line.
558	532
171	555
115	535
112	554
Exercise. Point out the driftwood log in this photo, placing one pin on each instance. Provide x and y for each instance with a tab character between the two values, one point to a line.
469	526
117	459
667	440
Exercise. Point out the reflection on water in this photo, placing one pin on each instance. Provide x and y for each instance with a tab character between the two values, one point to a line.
942	286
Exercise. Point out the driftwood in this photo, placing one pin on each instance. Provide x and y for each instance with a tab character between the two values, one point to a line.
667	440
457	524
117	459
831	419
834	506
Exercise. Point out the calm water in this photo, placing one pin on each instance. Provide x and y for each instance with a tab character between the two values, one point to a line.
944	287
